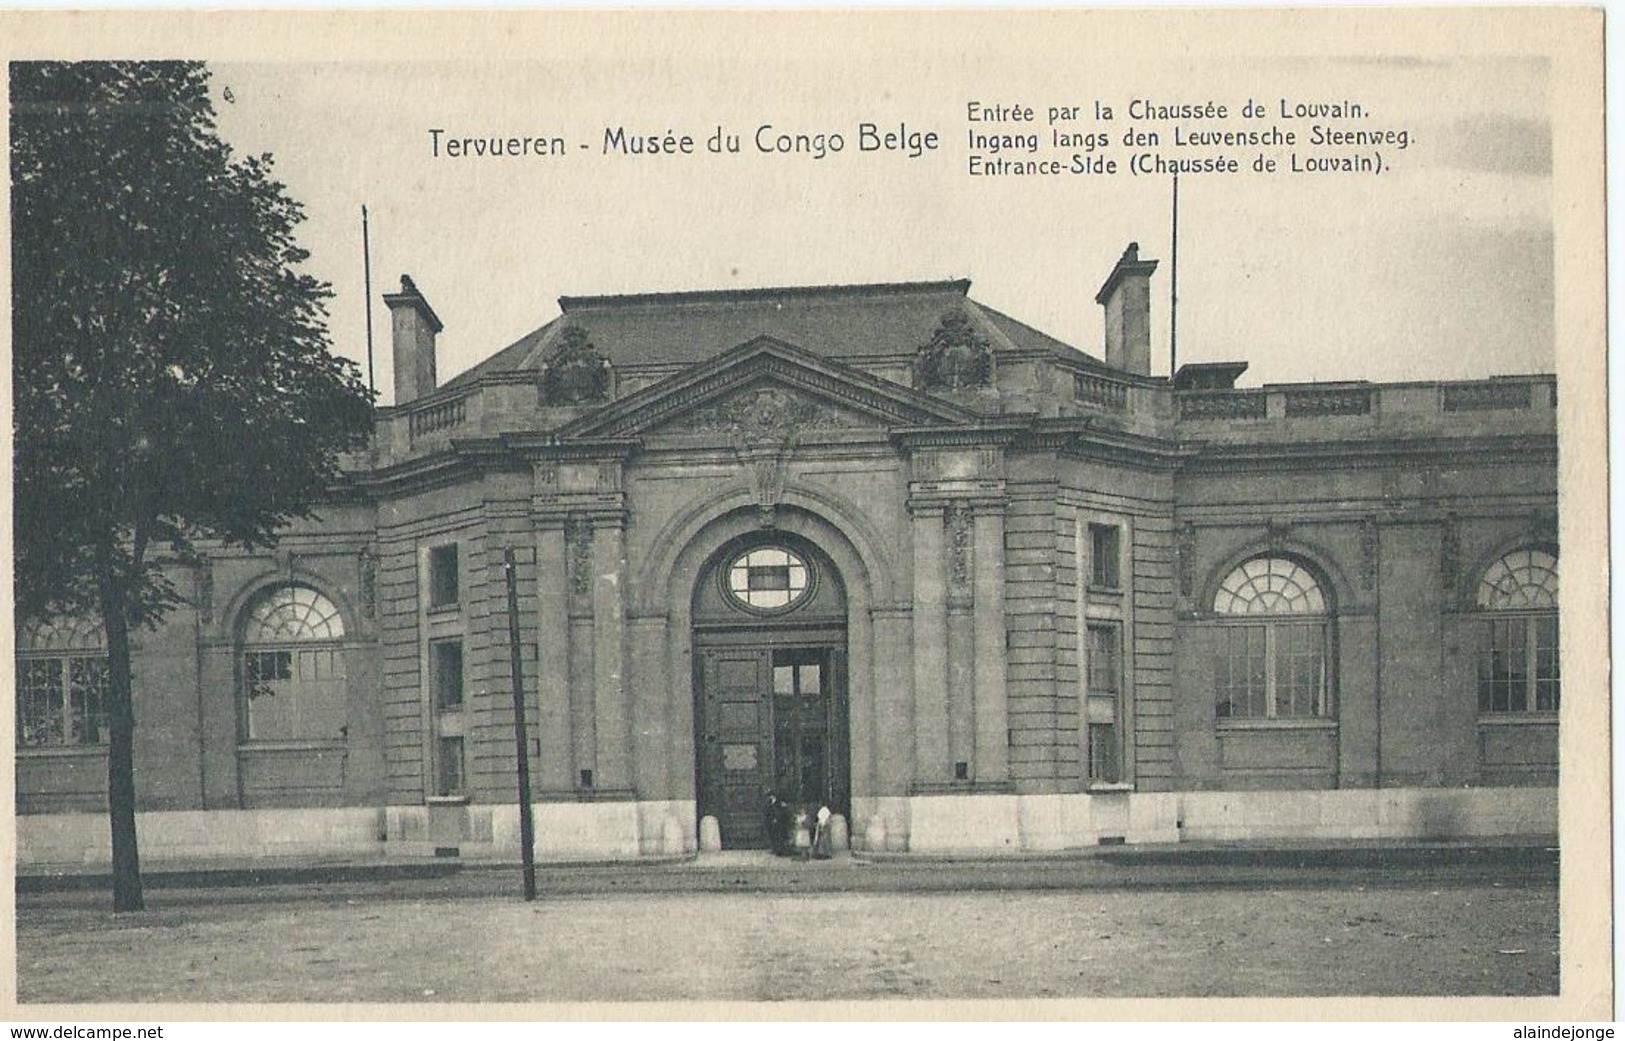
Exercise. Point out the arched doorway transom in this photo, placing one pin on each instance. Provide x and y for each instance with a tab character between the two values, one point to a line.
770	684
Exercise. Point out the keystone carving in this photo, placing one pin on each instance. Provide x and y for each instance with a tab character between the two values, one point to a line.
764	426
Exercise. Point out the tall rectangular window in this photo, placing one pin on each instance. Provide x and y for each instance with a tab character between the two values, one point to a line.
446	687
446	673
1105	546
1105	660
1105	683
1518	670
1300	669
1242	673
443	576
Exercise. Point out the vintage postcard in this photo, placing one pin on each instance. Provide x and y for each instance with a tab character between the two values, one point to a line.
798	515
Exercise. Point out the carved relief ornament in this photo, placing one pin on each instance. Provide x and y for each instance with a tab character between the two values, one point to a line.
577	373
957	357
764	425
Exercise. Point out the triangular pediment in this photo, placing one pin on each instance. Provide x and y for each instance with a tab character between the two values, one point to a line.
767	381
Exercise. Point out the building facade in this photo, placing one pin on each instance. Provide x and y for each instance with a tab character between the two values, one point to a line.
880	547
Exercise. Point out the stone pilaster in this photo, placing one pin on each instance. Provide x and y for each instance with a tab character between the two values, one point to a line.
578	505
956	498
992	763
555	768
931	763
612	714
646	658
893	699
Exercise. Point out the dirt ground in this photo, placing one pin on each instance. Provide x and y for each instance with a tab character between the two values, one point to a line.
1463	940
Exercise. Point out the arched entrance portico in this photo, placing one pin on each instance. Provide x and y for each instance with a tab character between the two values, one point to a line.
770	681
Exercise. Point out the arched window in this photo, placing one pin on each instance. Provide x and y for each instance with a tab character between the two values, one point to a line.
1518	669
293	667
1272	659
61	683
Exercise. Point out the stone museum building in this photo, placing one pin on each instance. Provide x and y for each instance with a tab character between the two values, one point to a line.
878	547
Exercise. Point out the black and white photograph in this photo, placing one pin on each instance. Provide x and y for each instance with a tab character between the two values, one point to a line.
809	515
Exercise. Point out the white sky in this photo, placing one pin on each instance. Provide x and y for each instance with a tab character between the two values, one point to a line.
1441	268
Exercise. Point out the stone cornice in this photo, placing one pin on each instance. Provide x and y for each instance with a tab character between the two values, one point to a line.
533	447
1362	453
1428	510
553	513
1083	437
461	458
994	432
928	503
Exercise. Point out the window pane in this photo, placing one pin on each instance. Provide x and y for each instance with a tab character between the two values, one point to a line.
39	702
1522	579
784	679
1270	585
1506	665
811	682
1103	752
293	613
319	694
271	715
1104	548
1105	665
1547	664
443	576
768	578
1299	668
450	766
446	668
1243	691
87	686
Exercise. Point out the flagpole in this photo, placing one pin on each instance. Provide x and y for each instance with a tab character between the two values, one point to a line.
1173	277
366	266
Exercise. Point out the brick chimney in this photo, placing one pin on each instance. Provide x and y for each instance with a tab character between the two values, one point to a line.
1126	298
413	327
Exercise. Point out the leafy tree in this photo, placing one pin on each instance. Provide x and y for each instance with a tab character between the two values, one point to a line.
171	370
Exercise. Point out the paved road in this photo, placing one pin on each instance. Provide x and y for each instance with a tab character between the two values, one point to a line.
819	932
1170	868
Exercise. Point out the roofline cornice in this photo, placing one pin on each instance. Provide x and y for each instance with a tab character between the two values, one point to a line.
1225	457
961	286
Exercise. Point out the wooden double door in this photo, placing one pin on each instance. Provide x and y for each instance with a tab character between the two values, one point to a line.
771	720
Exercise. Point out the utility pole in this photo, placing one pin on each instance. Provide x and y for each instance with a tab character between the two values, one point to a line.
521	736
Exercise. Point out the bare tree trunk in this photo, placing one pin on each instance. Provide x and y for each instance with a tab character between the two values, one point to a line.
120	744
